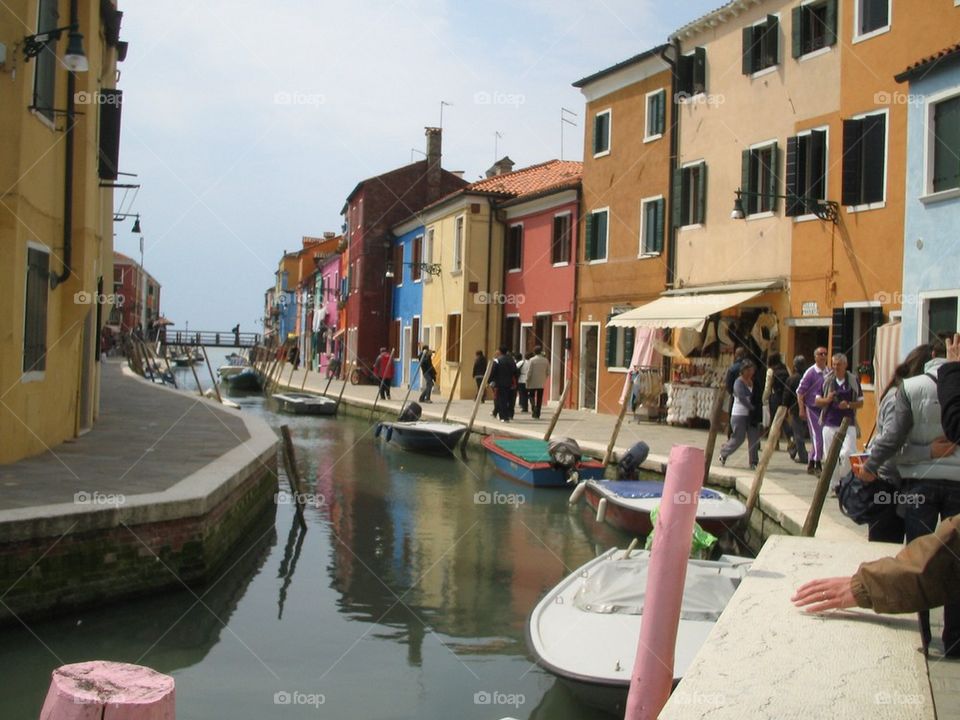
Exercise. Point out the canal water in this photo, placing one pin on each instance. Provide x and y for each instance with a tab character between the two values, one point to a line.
405	596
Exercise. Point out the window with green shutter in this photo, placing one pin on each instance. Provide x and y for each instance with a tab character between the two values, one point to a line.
601	132
596	247
45	65
656	114
946	145
690	195
814	26
692	73
651	240
35	311
612	337
761	45
619	345
864	159
759	179
806	172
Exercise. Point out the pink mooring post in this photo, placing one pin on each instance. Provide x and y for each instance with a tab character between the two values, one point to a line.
652	677
100	690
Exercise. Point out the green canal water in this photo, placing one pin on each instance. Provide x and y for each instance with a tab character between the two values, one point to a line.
406	596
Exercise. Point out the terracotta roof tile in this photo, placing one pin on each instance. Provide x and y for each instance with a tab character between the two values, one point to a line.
927	63
535	179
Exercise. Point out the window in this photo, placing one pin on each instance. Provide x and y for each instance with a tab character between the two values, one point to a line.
44	71
458	245
453	338
941	318
872	16
945	137
690	194
428	252
394	338
425	341
806	171
855	334
761	45
398	264
514	248
596	248
601	133
35	310
619	346
656	114
759	180
416	269
864	159
511	332
692	73
560	245
414	351
814	27
651	226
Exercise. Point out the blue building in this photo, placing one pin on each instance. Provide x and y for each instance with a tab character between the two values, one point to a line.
931	254
409	275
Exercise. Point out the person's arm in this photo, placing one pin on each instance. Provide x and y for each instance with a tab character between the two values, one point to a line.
893	437
948	390
743	394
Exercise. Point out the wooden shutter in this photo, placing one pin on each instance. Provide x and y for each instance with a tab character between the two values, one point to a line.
770	43
793	206
661	112
745	185
817	158
629	336
611	349
600	228
414	338
590	246
394	334
658	225
676	198
796	31
841	336
111	102
773	178
874	160
699	70
830	32
746	60
876	320
685	75
946	146
35	311
852	153
702	194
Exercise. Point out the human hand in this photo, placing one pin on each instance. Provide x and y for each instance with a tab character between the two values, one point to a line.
843	405
802	411
941	448
825	594
953	348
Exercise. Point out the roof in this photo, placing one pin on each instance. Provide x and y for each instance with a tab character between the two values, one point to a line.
620	66
725	12
927	64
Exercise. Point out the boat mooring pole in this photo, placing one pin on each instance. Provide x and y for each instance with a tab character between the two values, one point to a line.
293	475
823	484
556	413
196	377
772	438
346	379
406	397
476	406
608	456
715	413
456	379
376	400
216	388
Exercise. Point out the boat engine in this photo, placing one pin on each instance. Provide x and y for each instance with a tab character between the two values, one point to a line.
629	466
411	413
564	453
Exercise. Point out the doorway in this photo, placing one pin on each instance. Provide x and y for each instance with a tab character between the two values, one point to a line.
558	365
589	364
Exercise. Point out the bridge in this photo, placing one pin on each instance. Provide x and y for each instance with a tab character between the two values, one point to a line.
210	338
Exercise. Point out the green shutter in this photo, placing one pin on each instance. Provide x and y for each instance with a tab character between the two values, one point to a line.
699	70
660	122
658	225
611	352
773	178
629	336
747	64
796	31
946	146
600	244
850	193
874	156
830	36
590	245
770	45
747	198
676	197
792	189
702	194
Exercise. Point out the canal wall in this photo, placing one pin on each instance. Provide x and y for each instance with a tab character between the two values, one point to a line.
106	544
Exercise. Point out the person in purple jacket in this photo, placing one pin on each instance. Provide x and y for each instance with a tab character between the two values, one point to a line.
810	387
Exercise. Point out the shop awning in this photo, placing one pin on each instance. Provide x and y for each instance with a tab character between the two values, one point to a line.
886	355
681	311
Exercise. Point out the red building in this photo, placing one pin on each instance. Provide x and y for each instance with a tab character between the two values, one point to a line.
372	208
136	295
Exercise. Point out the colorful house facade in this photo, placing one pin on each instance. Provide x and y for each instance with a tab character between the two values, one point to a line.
931	256
136	296
327	332
408	269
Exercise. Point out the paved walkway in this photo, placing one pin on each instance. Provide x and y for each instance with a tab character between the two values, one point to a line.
146	440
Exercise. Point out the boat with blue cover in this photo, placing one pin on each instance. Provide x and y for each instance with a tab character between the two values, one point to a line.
531	461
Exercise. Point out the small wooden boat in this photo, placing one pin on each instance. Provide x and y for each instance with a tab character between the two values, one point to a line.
299	403
529	461
585	630
422	435
629	503
246	379
183	360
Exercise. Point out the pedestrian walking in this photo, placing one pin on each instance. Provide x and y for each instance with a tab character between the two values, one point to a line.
810	386
840	398
744	422
429	373
522	368
537	373
479	370
503	378
798	427
383	371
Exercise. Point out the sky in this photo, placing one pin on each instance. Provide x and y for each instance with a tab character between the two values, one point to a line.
248	123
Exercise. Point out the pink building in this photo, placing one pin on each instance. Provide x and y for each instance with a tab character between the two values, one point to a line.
327	330
540	255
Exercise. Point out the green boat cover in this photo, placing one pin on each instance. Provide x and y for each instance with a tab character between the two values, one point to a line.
532	451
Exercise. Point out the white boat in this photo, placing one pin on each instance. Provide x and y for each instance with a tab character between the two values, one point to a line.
305	404
585	630
422	435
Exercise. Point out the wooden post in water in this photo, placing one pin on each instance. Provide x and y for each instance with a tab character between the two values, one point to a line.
772	438
406	397
376	400
556	413
166	361
216	388
303	383
346	379
476	406
278	373
99	689
608	455
456	379
715	412
823	484
293	366
329	380
196	377
293	475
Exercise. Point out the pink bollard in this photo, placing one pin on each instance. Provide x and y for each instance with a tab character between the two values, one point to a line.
652	678
100	690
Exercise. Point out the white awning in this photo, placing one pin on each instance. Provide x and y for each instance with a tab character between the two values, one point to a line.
681	311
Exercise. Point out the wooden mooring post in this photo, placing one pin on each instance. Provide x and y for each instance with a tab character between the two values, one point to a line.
101	689
293	474
768	449
556	413
823	484
476	406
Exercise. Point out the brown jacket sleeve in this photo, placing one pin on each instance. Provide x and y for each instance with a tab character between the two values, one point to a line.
922	575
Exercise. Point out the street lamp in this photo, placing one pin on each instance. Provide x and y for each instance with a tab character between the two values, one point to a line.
74	60
434	269
826	210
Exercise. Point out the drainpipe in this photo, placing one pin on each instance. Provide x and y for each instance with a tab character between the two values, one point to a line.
68	169
492	209
575	309
674	159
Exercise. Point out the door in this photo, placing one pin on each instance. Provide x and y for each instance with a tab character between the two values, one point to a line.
406	347
806	340
557	356
589	364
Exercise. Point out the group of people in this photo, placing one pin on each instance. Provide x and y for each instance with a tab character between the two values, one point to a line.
914	456
514	377
383	372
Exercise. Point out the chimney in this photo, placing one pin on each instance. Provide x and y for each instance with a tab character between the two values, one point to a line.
501	167
433	163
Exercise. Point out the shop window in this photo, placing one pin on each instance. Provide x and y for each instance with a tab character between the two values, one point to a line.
619	344
761	45
814	27
453	338
656	114
945	136
758	179
864	159
690	194
596	232
35	311
651	226
514	248
855	335
601	133
806	171
692	73
560	245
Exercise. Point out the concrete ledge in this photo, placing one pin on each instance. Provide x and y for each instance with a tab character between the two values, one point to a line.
767	659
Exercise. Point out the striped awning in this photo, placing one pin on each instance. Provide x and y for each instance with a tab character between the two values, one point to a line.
886	355
681	311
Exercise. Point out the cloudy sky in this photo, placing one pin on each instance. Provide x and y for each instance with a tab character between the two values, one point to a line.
248	123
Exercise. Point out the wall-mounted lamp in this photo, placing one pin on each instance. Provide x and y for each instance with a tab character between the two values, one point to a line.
123	216
434	269
75	60
826	210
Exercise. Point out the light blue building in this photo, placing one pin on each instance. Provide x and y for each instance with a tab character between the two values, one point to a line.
409	274
931	253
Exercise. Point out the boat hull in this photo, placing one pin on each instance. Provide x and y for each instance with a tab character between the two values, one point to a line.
428	437
303	404
250	381
536	474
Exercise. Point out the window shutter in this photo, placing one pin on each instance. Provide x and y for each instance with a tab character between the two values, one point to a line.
874	162
796	31
658	225
629	335
773	178
676	197
702	194
852	151
747	199
841	335
600	244
817	157
946	146
747	58
589	247
793	206
770	45
699	70
830	32
611	353
110	133
685	75
597	134
661	116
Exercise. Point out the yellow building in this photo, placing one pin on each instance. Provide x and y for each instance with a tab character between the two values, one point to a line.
61	140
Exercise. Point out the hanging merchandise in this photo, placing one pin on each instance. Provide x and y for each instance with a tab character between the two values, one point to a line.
710	335
688	340
765	331
723	333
